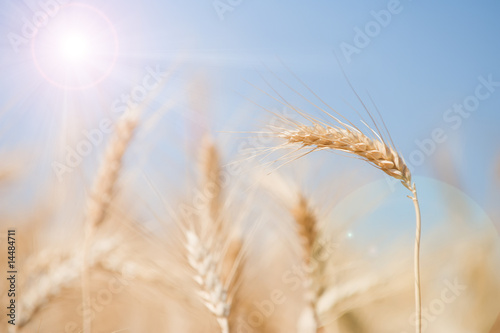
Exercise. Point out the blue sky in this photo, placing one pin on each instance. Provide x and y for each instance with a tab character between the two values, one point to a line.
428	57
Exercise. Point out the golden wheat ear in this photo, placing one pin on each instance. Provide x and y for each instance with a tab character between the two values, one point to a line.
345	137
352	141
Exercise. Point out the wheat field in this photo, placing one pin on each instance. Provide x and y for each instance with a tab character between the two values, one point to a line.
239	166
246	246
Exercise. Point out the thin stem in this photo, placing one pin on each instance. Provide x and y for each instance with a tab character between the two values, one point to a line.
87	320
223	324
418	294
313	299
319	327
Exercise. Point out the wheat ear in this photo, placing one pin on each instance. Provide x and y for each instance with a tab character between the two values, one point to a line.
217	266
212	291
211	182
101	194
350	139
55	270
107	175
307	229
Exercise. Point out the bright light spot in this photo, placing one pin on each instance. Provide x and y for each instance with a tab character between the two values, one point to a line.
75	48
349	234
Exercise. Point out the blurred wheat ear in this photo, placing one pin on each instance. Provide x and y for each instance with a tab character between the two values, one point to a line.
307	229
101	194
213	255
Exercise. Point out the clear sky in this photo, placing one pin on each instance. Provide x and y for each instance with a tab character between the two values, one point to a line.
416	59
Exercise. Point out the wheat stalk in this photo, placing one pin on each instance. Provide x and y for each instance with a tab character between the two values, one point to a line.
377	152
232	264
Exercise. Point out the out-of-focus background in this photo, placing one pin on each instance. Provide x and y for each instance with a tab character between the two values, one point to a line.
70	69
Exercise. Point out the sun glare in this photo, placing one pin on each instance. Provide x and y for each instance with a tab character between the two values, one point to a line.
75	48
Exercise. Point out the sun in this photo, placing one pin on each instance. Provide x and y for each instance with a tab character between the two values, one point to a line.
75	48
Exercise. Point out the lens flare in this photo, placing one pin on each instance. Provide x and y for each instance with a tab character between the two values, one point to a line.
74	48
77	49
